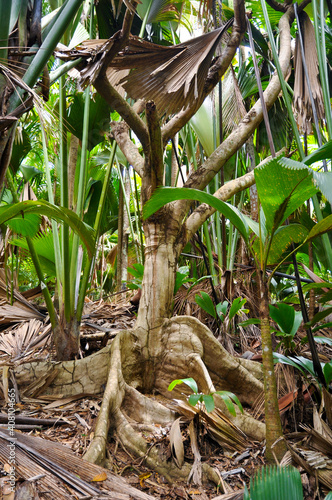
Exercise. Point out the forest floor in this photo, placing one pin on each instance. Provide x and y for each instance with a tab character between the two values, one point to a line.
72	422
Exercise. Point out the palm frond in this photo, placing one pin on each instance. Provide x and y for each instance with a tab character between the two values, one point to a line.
45	249
157	8
16	342
301	101
172	77
233	105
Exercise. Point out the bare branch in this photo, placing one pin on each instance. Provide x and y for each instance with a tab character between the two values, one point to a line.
303	5
121	135
280	7
122	39
224	60
156	164
126	112
204	174
196	219
215	73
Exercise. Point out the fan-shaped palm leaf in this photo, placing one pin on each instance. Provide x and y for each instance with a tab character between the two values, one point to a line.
44	246
173	77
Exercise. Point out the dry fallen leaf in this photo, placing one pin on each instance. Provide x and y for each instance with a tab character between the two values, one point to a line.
175	438
143	477
100	477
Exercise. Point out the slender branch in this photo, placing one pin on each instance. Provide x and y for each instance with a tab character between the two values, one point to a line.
120	39
204	174
114	99
204	211
303	5
283	7
215	73
128	148
223	61
280	7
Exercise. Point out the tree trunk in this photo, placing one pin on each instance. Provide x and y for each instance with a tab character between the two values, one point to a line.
123	222
67	340
272	415
157	294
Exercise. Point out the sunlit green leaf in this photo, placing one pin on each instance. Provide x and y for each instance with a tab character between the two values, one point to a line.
137	271
222	309
277	184
284	316
165	195
320	228
194	398
209	402
190	382
25	226
59	214
236	306
252	321
205	302
227	397
322	153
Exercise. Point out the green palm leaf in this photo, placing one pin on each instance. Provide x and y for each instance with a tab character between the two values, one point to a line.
44	246
277	182
276	483
165	195
60	214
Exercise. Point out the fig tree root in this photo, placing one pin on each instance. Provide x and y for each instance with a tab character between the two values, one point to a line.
138	361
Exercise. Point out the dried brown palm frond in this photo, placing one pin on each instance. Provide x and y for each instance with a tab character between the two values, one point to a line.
13	80
218	425
301	100
21	310
315	463
172	77
314	452
233	106
16	343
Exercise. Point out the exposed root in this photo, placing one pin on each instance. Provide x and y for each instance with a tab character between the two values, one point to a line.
137	360
183	353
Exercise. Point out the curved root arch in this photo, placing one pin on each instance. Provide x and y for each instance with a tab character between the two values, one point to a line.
182	347
187	349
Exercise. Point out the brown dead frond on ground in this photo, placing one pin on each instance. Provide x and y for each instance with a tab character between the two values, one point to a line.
22	340
313	450
14	307
59	473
